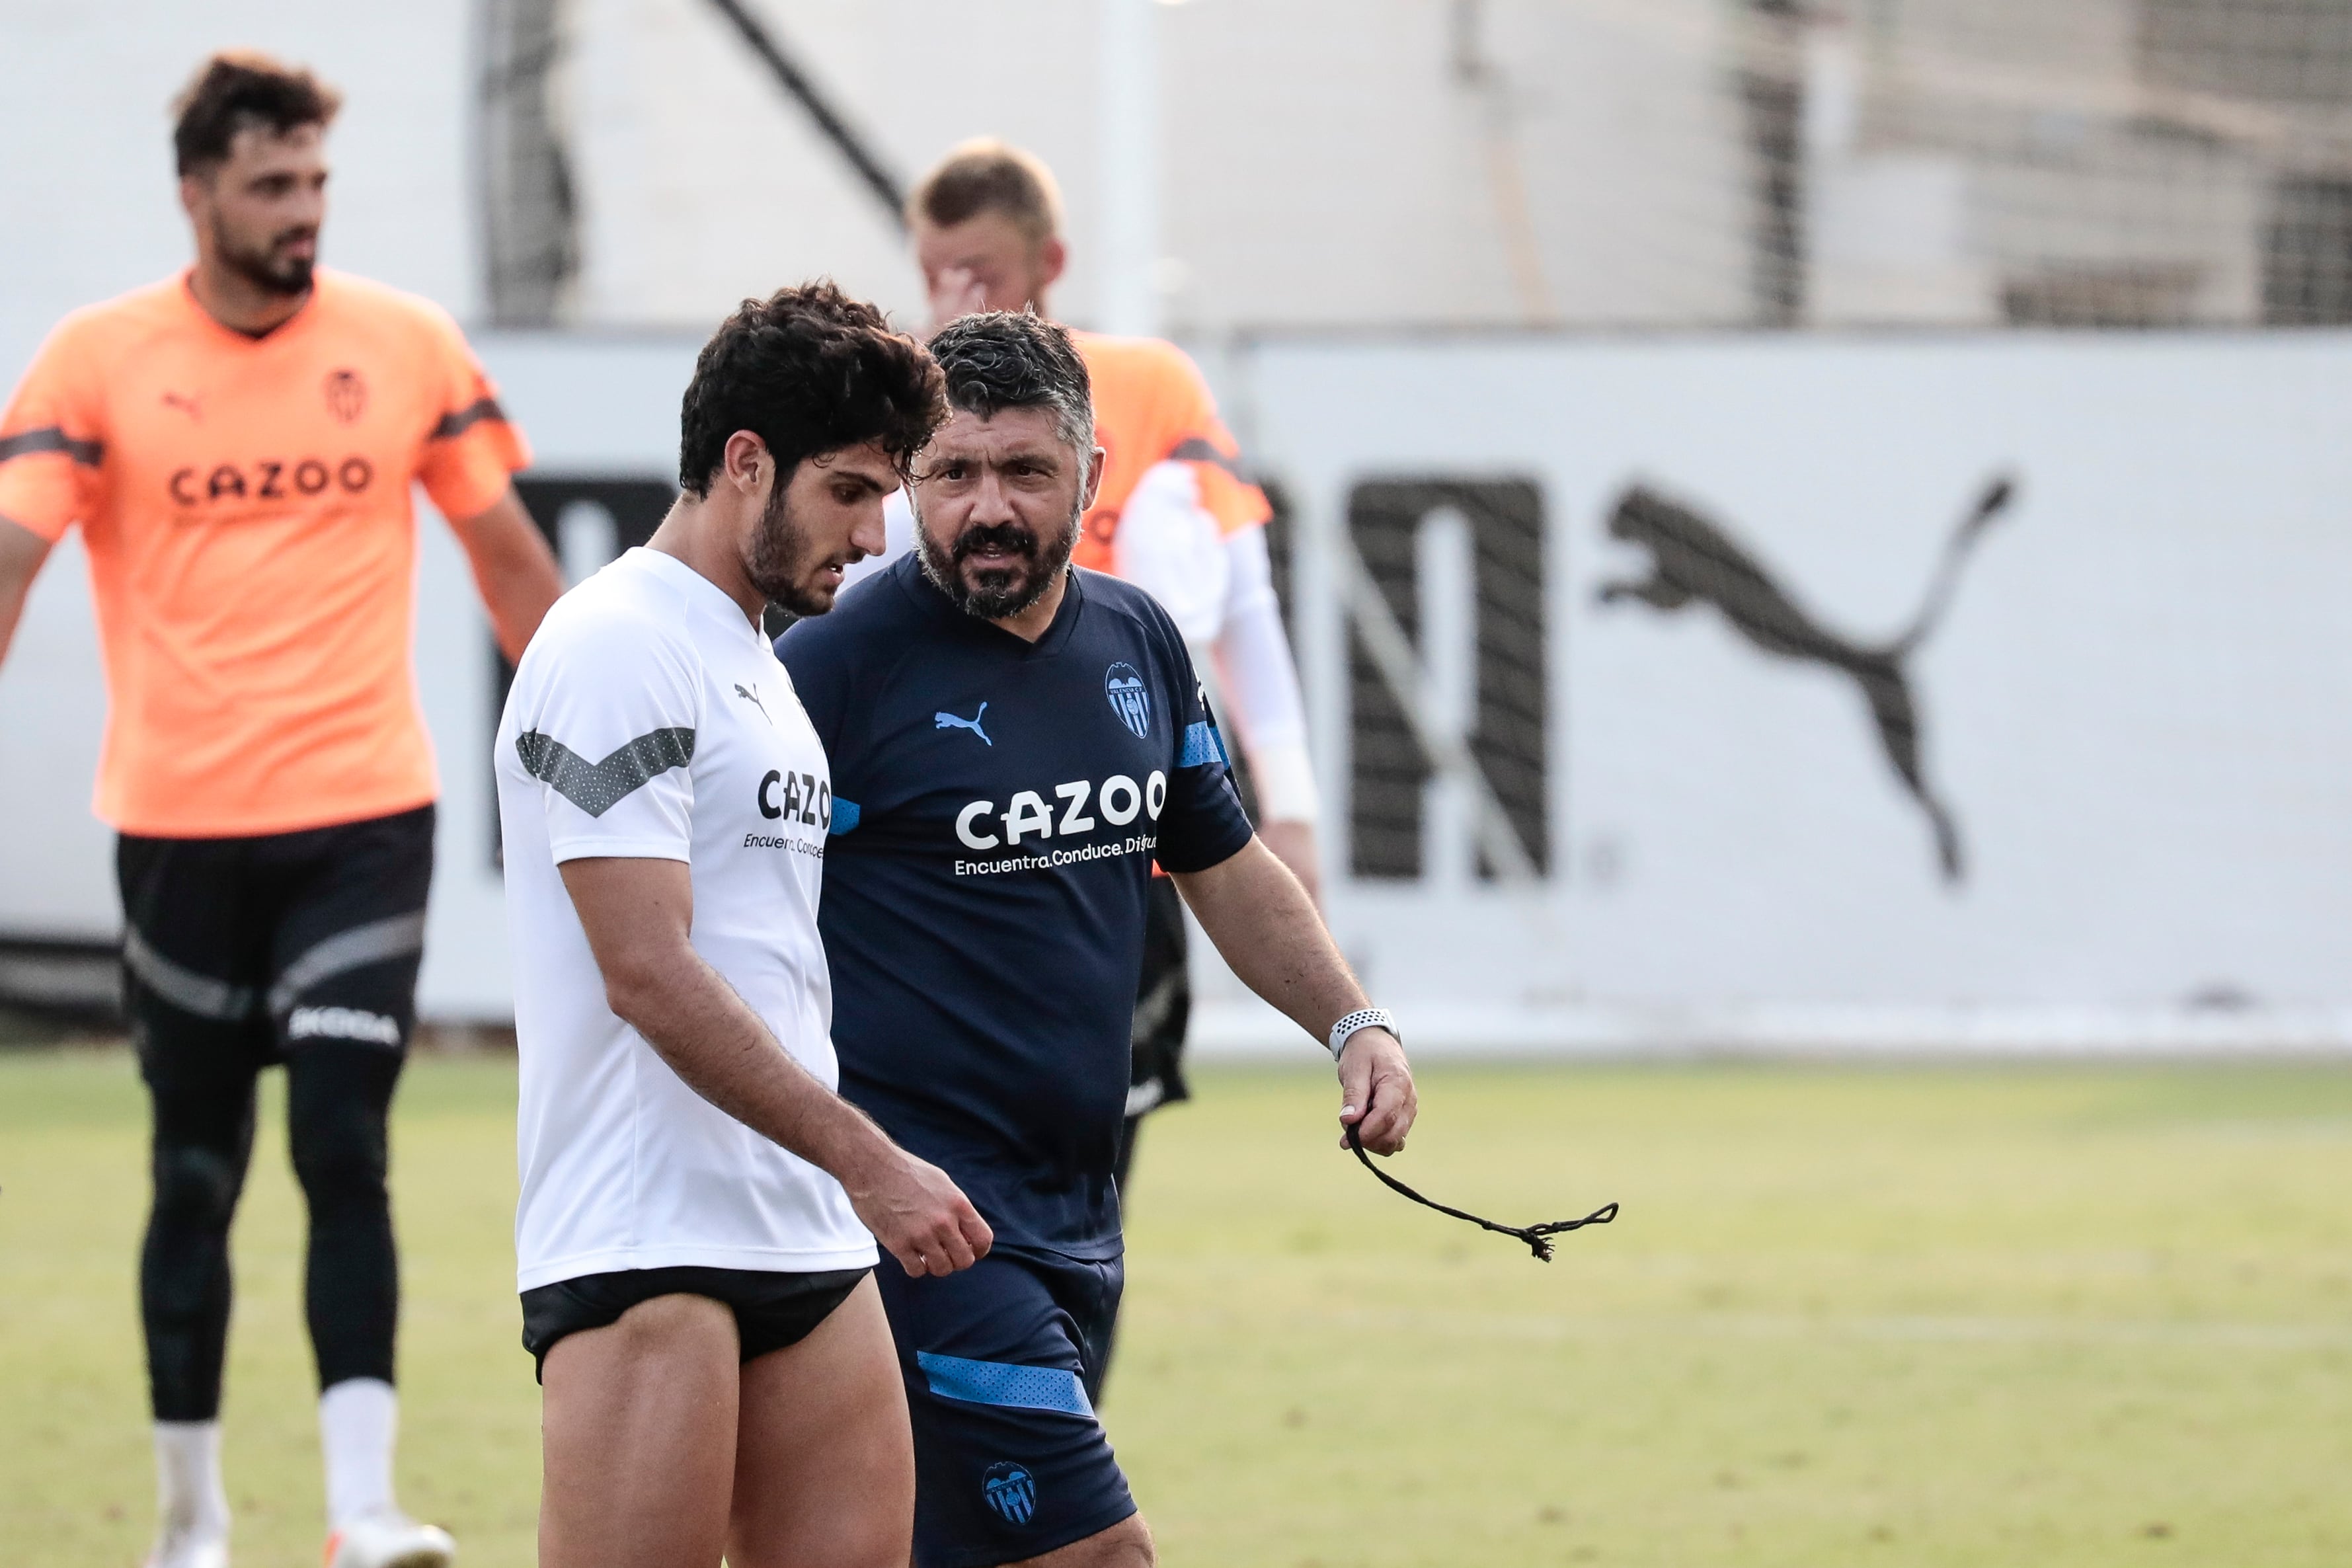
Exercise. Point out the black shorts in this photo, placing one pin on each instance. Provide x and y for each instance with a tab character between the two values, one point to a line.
771	1309
1009	1460
239	950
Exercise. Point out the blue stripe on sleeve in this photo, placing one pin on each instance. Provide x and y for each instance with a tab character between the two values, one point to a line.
844	817
1006	1383
1202	746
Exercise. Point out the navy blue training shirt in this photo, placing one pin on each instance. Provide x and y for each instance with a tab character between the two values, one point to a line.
997	808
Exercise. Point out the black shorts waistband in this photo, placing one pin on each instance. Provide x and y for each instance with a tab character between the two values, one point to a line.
773	1308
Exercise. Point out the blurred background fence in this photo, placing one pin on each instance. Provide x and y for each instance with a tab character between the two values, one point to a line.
1593	163
1277	165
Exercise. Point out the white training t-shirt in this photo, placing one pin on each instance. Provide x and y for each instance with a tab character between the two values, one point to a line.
650	719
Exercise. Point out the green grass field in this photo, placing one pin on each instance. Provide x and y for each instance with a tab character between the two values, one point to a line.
1920	1316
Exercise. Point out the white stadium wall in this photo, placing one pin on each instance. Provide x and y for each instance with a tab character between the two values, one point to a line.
2135	705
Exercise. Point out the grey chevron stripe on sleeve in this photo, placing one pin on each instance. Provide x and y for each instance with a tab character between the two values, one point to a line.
50	439
596	787
466	418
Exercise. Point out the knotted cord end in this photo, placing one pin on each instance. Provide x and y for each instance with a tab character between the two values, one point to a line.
1536	1236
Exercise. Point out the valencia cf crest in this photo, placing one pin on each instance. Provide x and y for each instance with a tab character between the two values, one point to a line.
1011	1491
1129	698
346	396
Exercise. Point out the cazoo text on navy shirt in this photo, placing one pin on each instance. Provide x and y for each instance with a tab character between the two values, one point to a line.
997	808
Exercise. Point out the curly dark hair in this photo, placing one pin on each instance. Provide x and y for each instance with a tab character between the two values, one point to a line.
809	371
239	87
1011	359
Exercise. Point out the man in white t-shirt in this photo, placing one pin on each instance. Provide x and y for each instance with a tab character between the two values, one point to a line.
692	1236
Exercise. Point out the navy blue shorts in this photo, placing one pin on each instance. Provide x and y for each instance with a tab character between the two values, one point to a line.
1009	1460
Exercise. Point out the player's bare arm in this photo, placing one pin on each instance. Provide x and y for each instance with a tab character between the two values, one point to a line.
21	553
514	571
1265	926
1295	845
638	915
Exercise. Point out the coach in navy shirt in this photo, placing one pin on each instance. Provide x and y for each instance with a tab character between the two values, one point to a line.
1013	742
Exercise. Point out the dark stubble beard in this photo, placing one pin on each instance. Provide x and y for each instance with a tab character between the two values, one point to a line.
1007	590
286	277
782	561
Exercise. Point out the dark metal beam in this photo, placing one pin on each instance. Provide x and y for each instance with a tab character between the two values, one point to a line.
798	87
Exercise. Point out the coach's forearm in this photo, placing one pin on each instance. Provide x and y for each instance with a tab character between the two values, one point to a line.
21	553
1264	924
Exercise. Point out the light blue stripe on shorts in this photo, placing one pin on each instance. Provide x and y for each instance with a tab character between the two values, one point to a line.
1003	1382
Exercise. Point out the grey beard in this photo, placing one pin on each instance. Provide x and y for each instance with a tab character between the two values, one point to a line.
1000	602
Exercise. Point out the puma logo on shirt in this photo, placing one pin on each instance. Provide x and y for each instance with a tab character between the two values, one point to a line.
950	721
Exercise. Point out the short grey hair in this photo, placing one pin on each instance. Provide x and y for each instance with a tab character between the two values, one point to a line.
1011	359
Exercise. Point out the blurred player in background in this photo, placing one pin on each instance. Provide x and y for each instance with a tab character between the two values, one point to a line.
1014	743
1173	517
237	445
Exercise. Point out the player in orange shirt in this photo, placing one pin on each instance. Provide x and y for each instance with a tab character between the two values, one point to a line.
238	444
1173	515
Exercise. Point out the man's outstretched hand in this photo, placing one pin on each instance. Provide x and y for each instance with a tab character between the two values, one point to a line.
920	1216
1376	1093
956	293
1265	927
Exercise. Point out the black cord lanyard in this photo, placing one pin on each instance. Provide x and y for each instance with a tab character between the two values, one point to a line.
1536	1236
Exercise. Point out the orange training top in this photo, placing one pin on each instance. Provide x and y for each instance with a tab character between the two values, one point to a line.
1151	405
245	504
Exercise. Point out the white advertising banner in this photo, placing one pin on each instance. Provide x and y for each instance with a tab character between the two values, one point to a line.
2088	588
1961	691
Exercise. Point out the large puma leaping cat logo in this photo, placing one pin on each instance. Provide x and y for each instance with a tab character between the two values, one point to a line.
1691	558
